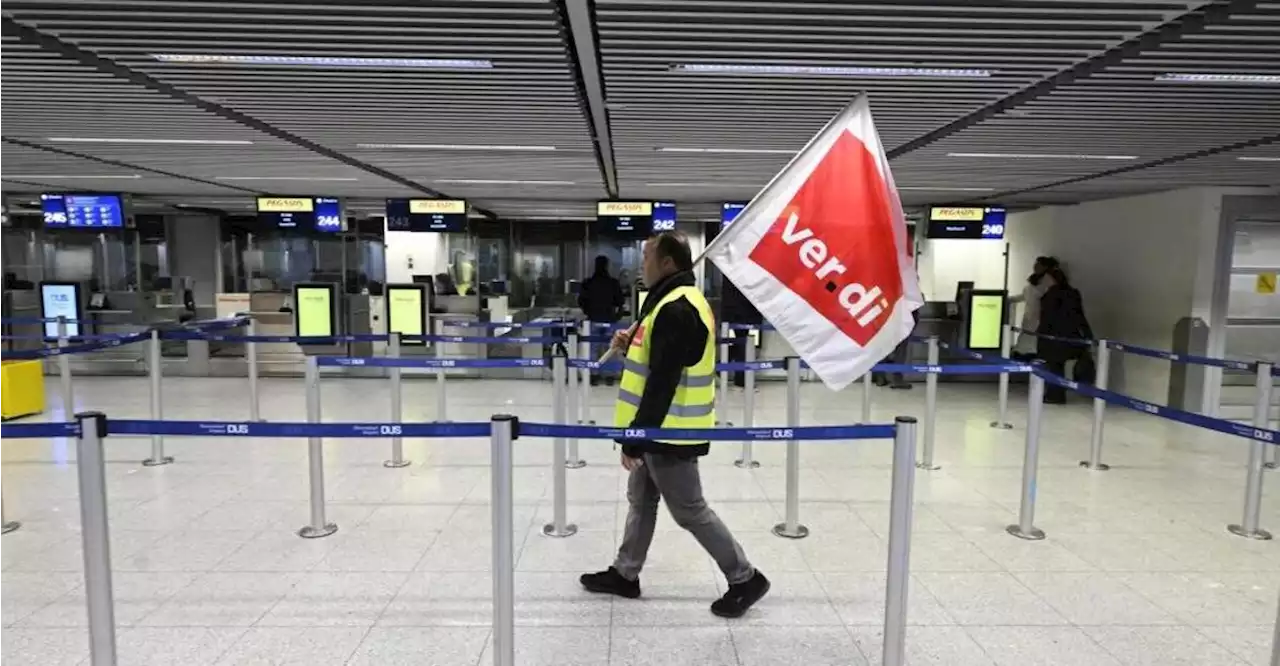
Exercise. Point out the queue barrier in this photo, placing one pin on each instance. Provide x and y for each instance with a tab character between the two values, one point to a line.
502	431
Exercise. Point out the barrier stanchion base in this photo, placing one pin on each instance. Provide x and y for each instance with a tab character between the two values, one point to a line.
781	530
1100	467
746	464
1272	465
1257	535
928	466
1001	426
1035	534
310	532
152	462
575	464
724	424
550	530
10	526
395	464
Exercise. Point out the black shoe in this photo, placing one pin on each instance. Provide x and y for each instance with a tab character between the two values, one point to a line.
901	386
879	381
611	582
595	381
1055	401
609	381
742	596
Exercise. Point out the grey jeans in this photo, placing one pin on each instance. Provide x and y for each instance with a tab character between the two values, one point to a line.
677	481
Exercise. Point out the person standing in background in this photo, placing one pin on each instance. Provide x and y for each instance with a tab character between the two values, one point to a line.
1062	316
736	309
1030	297
601	299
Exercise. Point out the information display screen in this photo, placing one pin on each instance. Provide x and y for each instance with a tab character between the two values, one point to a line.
664	216
625	218
82	211
986	319
313	312
967	222
309	213
60	299
729	211
433	215
407	311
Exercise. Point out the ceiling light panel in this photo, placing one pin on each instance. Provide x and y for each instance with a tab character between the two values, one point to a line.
192	142
827	70
1043	156
320	61
452	146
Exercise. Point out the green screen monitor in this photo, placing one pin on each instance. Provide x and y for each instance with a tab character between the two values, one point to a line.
314	312
407	311
985	326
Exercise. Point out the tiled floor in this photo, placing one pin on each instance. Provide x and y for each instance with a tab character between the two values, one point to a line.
1137	570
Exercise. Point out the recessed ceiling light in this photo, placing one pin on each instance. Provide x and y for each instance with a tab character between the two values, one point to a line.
198	142
320	179
320	61
1045	156
1188	77
470	181
1259	159
451	146
729	151
948	189
807	70
86	176
702	185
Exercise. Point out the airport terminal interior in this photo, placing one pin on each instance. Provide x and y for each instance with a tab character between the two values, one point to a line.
299	253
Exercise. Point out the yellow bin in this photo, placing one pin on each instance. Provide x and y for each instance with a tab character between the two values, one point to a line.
21	388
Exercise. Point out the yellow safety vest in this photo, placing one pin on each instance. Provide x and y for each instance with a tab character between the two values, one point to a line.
694	403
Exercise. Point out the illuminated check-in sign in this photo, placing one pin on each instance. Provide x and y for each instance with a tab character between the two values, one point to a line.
437	207
625	218
285	205
966	222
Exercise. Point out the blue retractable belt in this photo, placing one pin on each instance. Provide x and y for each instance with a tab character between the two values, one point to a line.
40	430
414	362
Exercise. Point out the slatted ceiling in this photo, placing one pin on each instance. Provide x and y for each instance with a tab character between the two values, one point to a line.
652	106
530	96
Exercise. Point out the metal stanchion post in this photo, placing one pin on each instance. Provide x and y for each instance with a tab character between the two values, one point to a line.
573	460
866	398
930	407
64	370
791	528
1275	642
156	369
251	356
748	409
397	399
504	561
6	525
319	527
1026	529
1002	409
442	406
1099	410
95	538
1248	526
559	525
899	566
722	396
584	352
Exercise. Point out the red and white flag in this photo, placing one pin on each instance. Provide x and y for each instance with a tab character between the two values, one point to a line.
822	251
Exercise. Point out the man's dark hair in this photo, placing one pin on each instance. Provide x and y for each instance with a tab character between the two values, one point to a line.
602	264
674	244
1047	262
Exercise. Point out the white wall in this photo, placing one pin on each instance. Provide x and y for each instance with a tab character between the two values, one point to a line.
1141	263
410	254
943	263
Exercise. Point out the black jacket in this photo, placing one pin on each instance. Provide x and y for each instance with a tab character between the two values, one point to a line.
677	341
601	298
735	308
1062	314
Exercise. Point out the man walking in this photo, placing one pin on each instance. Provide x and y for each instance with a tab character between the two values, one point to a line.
601	299
668	381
